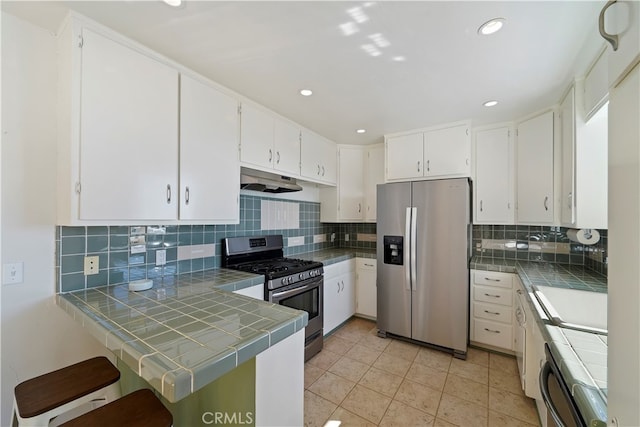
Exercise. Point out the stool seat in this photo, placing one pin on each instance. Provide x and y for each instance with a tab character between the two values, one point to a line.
54	389
138	409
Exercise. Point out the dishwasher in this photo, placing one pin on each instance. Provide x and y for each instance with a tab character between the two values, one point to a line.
562	409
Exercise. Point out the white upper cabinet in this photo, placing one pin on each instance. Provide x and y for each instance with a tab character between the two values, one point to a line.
405	157
118	132
535	170
494	177
584	177
447	152
269	143
208	154
622	21
345	202
442	152
374	175
318	158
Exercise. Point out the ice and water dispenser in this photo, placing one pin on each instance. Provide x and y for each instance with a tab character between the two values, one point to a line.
393	250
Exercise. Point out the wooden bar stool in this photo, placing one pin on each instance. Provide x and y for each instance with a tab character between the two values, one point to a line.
138	409
38	400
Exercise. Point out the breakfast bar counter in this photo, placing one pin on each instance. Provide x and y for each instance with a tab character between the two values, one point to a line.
187	330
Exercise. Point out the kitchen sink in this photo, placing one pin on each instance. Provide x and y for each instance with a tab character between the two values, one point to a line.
573	308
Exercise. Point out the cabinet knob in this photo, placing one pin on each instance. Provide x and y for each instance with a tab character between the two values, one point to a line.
428	165
270	155
418	165
480	205
322	170
277	157
546	203
168	193
186	195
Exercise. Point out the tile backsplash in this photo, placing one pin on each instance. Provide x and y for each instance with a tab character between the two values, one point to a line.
538	243
189	248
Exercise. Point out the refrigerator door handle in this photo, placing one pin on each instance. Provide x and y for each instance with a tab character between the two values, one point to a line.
407	242
414	244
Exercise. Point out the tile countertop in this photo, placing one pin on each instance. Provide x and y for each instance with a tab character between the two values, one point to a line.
332	256
186	331
582	355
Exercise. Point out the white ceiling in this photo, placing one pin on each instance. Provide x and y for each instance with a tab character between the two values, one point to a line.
268	51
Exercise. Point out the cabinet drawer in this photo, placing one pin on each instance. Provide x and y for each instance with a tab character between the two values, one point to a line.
493	333
492	278
366	263
498	313
493	295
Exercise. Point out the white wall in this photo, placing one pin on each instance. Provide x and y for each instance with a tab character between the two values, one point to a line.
37	336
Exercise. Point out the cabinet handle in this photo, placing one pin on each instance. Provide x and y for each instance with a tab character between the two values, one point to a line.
492	312
342	281
569	197
270	155
277	157
318	169
322	170
493	331
368	265
611	38
418	165
168	193
519	291
480	205
546	203
359	208
338	286
489	279
428	165
186	195
492	296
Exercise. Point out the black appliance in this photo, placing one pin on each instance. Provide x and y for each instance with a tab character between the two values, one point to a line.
291	282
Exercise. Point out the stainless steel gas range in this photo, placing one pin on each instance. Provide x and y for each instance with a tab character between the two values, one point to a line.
291	282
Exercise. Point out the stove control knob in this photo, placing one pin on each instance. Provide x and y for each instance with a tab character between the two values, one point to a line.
301	276
290	279
312	273
284	281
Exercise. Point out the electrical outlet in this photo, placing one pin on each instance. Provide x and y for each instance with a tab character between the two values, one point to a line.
91	265
161	257
346	237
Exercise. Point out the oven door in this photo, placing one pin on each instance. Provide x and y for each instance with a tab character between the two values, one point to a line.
307	296
562	410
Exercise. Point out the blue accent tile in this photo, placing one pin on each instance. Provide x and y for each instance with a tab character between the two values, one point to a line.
119	259
100	279
97	231
72	264
118	243
73	245
73	231
119	230
97	243
72	282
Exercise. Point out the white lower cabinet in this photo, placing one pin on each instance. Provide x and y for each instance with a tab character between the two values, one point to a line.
491	310
366	290
339	294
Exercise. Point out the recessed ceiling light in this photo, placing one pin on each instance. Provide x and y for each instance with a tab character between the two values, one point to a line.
490	103
491	26
174	3
361	131
399	58
306	92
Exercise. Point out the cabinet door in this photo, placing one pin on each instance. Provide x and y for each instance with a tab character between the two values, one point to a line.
568	155
405	157
447	152
208	153
623	19
494	177
350	184
331	310
287	148
256	137
347	295
624	250
535	170
374	175
128	134
366	290
318	160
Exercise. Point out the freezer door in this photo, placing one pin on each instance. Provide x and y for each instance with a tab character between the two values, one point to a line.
394	291
441	295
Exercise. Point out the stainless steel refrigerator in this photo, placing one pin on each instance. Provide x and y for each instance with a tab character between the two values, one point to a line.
423	247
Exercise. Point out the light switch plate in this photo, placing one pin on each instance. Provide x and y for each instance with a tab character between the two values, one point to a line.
161	257
12	273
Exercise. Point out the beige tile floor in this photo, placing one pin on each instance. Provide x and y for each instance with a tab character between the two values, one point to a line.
363	380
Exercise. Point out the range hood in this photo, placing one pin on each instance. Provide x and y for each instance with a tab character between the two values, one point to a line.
266	182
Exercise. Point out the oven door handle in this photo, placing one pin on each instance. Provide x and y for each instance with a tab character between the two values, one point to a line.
296	290
546	394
